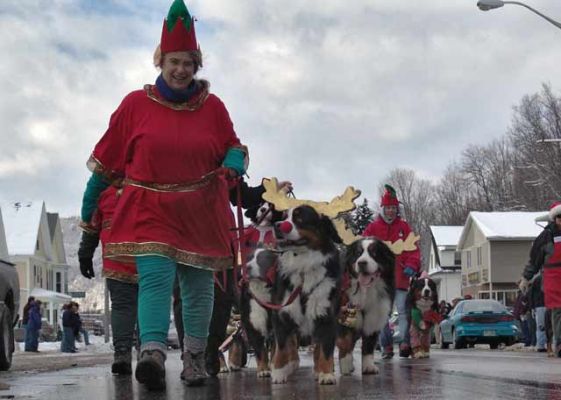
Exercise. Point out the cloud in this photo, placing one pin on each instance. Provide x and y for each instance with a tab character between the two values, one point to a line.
325	93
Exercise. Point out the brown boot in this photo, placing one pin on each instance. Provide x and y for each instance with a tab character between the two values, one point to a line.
194	373
151	369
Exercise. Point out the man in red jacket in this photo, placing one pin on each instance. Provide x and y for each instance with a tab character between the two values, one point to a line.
390	228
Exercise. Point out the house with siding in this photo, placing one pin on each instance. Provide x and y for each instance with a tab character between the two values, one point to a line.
494	248
445	261
35	245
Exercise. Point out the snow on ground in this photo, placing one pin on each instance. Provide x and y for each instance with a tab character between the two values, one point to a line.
97	346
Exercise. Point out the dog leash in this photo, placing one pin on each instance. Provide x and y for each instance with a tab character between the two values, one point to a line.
272	306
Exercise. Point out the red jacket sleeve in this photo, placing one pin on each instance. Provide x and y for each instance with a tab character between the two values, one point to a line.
111	152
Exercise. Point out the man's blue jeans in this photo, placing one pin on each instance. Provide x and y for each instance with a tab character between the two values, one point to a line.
68	344
386	339
541	338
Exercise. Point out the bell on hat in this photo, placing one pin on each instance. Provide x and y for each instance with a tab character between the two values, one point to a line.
555	210
389	198
178	32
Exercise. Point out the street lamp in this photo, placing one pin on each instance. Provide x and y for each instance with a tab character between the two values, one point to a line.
486	5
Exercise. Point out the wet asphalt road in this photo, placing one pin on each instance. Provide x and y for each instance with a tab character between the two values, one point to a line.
448	374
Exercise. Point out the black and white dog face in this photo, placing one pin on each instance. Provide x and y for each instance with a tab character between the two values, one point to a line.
304	226
264	215
423	291
262	266
370	260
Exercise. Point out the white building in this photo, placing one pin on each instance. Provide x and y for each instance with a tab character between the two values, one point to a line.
444	261
495	247
35	246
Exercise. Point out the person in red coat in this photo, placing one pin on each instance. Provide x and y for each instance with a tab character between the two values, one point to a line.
390	227
546	255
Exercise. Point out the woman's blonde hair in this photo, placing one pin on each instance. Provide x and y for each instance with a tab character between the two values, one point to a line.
196	55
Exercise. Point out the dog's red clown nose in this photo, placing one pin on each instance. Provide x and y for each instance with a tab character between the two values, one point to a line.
285	227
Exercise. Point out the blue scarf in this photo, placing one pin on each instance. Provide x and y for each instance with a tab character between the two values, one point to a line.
176	96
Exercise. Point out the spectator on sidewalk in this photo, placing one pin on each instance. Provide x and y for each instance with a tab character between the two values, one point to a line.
69	329
33	326
546	255
520	312
25	318
80	327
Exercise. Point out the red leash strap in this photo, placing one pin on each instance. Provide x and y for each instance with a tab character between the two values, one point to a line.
239	247
271	306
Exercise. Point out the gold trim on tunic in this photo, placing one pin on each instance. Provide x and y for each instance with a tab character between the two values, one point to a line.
122	251
173	187
97	167
120	276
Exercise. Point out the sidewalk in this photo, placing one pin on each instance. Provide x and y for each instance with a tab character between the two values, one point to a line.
50	358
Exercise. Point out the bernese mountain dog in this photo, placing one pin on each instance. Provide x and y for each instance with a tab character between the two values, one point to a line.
255	318
308	287
367	301
255	293
422	301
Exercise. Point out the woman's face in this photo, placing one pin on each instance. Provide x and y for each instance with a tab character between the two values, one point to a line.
178	69
390	212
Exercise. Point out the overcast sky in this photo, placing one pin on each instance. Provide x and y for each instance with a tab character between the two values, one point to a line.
326	93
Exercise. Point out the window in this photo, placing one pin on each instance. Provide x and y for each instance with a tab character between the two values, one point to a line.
457	258
468	261
58	282
479	258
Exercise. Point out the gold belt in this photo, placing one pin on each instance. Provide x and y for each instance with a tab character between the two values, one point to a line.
173	187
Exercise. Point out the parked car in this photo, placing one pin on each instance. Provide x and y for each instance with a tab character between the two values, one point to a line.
478	321
9	306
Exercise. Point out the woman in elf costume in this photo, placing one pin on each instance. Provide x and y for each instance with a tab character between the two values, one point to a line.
173	146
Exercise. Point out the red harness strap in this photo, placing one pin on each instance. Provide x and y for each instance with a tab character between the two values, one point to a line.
272	306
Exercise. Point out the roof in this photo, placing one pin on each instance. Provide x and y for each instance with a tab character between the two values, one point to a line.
512	225
21	222
50	296
52	218
446	235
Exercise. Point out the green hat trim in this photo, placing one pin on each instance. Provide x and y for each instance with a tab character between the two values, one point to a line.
391	190
178	10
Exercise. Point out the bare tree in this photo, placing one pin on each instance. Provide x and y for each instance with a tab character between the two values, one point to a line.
535	126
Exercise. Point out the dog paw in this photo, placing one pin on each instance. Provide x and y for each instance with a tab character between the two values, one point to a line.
224	369
346	365
264	374
234	367
370	370
326	379
280	375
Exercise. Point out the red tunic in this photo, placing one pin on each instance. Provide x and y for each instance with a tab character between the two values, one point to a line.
398	229
102	218
163	150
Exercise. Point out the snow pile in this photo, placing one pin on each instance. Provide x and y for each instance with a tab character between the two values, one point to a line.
97	346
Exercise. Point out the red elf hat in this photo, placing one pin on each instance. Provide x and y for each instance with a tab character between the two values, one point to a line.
178	32
389	198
